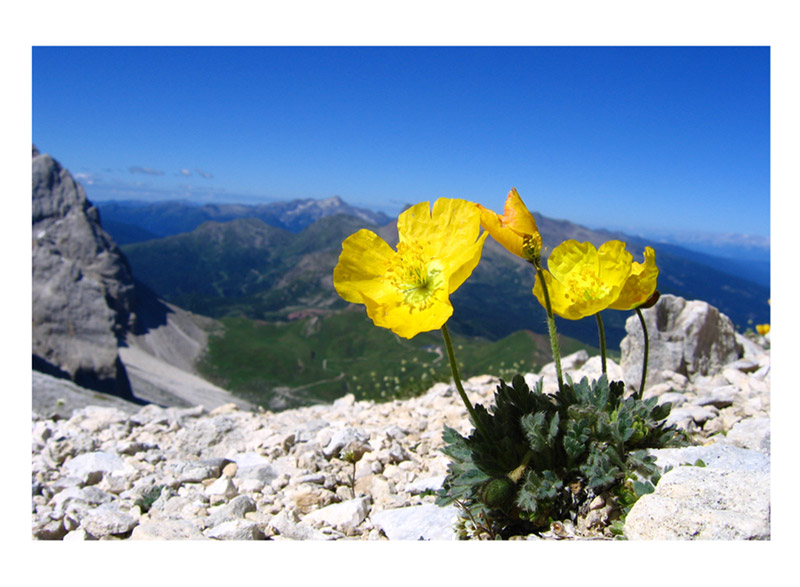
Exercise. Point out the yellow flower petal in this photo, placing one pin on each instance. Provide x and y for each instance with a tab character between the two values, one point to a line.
408	290
362	262
516	229
615	264
517	216
406	319
583	280
762	329
640	284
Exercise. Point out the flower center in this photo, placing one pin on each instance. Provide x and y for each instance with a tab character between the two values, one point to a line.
532	246
415	275
585	284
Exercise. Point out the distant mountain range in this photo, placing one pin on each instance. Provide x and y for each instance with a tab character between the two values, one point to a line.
133	221
728	245
275	261
740	254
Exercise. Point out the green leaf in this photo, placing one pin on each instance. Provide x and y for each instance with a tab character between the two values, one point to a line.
642	488
534	427
552	433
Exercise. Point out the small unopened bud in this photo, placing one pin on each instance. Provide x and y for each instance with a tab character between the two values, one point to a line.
532	246
498	492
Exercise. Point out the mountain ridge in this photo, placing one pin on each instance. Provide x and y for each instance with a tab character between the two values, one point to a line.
132	221
169	217
295	274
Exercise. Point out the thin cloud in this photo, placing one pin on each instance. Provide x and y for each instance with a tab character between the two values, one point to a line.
145	170
186	173
203	174
87	178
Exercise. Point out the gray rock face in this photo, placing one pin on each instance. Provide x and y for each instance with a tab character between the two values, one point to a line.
727	499
92	325
82	285
54	397
686	337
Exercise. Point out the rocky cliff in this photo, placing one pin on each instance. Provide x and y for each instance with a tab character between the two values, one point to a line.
82	285
92	323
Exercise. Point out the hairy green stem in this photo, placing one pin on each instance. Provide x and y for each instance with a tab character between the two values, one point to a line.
646	352
457	378
602	332
551	324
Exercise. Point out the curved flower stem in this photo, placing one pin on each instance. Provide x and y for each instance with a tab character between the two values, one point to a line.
646	352
551	323
602	332
457	378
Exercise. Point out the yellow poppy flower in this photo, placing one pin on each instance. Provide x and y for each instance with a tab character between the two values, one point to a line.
640	284
583	280
516	229
762	329
408	290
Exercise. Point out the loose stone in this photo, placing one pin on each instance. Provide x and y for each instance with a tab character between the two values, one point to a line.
173	473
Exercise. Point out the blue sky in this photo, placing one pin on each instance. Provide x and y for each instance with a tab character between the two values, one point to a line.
641	139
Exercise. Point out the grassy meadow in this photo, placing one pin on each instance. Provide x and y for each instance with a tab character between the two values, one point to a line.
321	357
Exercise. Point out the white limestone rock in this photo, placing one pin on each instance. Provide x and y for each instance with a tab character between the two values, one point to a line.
421	522
236	530
695	503
344	516
688	337
108	520
93	465
167	530
726	499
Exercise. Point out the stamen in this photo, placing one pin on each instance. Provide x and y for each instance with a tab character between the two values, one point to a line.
589	283
415	275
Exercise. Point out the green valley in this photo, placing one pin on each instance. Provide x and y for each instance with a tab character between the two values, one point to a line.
320	357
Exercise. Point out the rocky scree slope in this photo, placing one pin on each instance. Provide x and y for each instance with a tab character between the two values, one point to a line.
110	473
